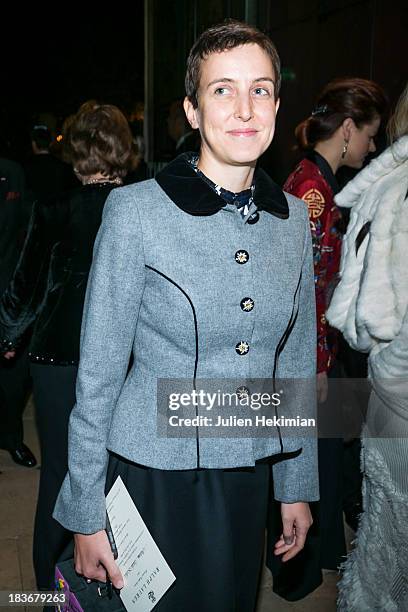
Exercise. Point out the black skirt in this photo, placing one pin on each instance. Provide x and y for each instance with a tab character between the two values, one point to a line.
209	526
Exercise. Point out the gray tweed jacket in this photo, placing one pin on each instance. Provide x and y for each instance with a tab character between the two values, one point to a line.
172	264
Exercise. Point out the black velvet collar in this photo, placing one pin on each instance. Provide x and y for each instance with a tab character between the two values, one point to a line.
325	169
194	196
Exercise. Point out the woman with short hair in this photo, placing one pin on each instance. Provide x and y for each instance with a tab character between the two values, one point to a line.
204	272
47	292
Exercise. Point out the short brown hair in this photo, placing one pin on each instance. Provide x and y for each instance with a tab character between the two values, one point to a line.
226	35
98	139
358	99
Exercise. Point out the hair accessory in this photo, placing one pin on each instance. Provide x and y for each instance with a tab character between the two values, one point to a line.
320	110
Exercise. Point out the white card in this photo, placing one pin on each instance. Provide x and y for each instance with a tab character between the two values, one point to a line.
144	569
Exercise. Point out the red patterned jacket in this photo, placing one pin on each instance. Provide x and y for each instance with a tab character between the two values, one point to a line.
314	182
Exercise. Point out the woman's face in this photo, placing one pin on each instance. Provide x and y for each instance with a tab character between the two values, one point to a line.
236	106
361	143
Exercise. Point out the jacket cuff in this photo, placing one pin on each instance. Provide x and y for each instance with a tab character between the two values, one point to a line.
296	479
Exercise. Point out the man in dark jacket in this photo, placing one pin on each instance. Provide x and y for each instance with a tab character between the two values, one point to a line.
14	376
45	174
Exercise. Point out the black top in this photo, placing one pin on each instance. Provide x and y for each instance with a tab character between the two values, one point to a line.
325	169
49	283
48	176
13	218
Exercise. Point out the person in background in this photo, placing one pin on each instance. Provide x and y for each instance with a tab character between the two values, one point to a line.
15	381
47	292
45	174
340	131
183	136
140	173
204	272
370	307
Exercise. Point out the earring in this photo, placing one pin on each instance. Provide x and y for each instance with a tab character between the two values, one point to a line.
345	147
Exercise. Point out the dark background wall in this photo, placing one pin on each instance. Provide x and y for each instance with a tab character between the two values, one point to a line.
317	40
51	61
51	64
321	40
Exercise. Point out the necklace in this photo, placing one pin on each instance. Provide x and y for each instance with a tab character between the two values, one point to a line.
114	181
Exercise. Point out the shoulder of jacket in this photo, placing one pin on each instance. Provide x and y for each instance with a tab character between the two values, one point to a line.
305	169
128	202
297	207
305	177
49	204
64	197
138	195
139	189
379	171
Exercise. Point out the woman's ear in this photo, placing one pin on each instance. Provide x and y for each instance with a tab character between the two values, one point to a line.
191	113
348	127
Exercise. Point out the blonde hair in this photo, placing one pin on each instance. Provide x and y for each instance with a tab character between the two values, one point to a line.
398	124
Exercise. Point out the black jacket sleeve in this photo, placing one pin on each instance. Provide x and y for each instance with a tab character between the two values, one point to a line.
24	295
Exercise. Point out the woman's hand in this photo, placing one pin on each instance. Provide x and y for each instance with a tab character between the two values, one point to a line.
322	387
9	355
94	558
296	521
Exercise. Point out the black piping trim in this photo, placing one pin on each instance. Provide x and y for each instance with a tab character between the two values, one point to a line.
196	345
281	346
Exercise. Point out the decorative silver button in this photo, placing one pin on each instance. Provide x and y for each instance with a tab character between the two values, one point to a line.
242	392
241	257
247	304
242	347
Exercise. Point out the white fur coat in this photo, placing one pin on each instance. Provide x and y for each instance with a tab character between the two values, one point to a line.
370	304
370	307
